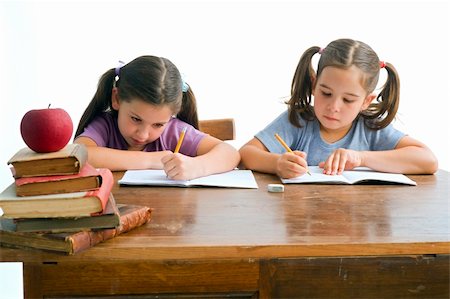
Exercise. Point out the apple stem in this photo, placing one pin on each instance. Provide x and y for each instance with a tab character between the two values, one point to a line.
48	106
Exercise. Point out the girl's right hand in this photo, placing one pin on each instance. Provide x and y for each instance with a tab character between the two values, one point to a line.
180	167
292	164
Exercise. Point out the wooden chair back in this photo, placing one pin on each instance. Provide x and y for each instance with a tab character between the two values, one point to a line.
222	129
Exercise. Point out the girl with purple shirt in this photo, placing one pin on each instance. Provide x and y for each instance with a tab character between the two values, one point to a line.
136	117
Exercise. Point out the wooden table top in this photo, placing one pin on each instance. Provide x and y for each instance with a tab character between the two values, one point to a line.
305	220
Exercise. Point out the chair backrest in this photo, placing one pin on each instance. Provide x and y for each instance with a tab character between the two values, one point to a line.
222	129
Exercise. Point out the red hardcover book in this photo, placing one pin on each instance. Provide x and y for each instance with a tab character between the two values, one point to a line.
88	178
74	204
131	216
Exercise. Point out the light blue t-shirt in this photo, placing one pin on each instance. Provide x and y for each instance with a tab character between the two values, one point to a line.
307	138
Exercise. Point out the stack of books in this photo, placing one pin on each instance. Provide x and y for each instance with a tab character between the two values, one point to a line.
59	202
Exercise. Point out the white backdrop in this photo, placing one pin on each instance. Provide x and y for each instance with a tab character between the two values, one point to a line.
238	56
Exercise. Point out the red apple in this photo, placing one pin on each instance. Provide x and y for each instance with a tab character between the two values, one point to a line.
46	130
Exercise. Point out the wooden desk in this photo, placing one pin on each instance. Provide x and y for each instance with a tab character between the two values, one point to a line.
312	241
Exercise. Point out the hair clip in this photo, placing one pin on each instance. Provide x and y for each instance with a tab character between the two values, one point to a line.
382	64
321	50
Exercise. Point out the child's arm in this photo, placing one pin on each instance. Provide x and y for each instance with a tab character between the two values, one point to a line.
213	156
409	157
255	156
114	159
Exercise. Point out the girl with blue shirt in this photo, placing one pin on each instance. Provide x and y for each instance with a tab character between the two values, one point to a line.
135	119
336	121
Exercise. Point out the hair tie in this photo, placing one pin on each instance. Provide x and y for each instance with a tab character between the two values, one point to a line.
184	85
117	71
382	64
321	50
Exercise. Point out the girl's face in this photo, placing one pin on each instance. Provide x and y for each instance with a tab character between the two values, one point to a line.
140	123
338	99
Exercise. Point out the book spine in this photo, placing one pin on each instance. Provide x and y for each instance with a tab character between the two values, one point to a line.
87	239
133	220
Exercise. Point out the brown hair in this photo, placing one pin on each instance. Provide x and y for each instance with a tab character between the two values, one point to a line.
344	53
155	80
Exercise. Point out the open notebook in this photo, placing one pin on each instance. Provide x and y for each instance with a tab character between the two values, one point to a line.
356	176
151	177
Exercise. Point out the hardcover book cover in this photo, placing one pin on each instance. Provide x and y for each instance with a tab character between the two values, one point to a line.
88	178
69	160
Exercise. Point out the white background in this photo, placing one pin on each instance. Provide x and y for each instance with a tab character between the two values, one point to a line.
238	56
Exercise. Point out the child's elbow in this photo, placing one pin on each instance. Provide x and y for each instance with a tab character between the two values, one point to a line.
432	165
427	163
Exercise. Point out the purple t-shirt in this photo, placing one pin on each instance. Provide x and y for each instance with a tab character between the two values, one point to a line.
105	132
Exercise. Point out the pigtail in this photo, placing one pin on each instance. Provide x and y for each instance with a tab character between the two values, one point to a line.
188	111
301	89
101	101
381	113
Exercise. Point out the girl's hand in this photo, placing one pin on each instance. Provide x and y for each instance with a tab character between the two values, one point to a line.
340	160
179	167
291	165
154	160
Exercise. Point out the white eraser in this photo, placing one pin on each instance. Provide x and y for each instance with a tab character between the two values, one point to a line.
275	188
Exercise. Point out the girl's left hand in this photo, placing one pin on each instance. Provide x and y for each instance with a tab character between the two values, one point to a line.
179	167
340	160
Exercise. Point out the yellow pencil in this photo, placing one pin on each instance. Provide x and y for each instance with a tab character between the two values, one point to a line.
278	137
180	141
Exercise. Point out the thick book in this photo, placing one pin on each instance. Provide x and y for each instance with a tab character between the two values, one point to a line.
131	216
88	178
75	204
349	177
69	160
109	218
151	177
